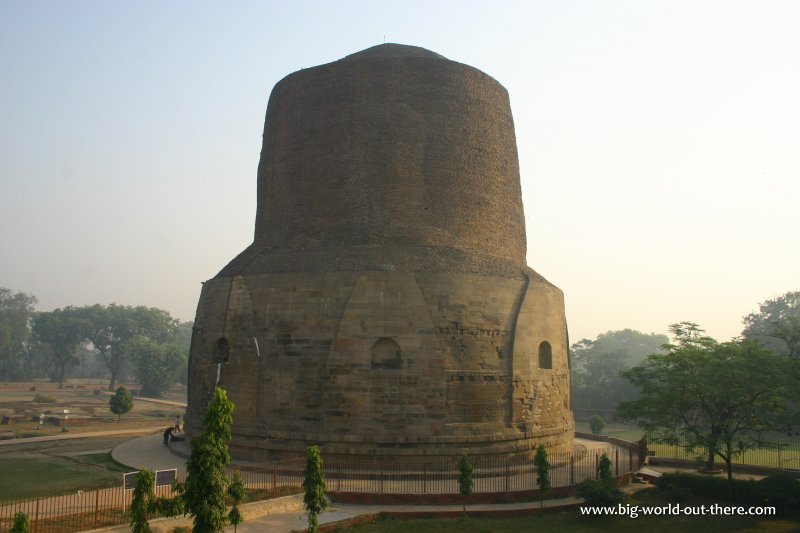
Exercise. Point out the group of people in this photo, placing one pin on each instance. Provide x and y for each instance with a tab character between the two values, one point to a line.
171	430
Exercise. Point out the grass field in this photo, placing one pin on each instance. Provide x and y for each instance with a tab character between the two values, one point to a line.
31	475
573	522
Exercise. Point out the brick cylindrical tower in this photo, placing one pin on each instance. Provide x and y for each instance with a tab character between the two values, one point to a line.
385	306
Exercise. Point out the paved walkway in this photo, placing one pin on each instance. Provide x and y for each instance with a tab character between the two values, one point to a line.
287	514
65	436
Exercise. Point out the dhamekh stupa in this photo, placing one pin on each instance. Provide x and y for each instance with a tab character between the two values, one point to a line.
385	307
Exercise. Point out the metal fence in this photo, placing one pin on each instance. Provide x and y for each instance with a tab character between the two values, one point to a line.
412	475
785	454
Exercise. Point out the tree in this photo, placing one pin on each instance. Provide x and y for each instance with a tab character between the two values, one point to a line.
596	423
156	366
22	524
121	402
238	494
113	328
206	482
142	501
64	330
777	324
314	487
604	469
16	310
542	466
596	366
465	482
722	397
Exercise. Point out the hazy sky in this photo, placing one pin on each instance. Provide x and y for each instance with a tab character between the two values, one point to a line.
659	142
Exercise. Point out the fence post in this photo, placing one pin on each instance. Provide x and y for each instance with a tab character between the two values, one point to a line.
596	463
572	468
36	518
274	481
507	480
96	507
616	459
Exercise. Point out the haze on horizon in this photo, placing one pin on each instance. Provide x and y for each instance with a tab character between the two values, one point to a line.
658	143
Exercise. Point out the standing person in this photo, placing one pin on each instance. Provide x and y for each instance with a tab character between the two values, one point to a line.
178	424
168	435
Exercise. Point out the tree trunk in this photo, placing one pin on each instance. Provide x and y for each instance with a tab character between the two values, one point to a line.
729	464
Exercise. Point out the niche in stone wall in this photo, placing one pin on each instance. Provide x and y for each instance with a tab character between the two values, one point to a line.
386	354
221	352
545	355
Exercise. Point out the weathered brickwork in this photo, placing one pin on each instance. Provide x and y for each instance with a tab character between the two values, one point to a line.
385	306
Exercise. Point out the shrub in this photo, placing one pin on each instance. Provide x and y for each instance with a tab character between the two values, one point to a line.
709	486
21	524
96	392
596	423
600	493
779	490
44	398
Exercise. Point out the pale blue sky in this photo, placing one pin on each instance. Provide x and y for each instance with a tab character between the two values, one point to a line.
659	142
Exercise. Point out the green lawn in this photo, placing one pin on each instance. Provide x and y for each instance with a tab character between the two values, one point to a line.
41	475
573	521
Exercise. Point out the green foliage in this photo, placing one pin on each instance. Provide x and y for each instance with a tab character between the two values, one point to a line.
141	504
206	484
238	494
44	398
777	324
465	481
599	493
22	523
16	310
157	366
314	487
780	490
604	469
121	402
542	465
596	366
723	397
63	330
597	424
708	486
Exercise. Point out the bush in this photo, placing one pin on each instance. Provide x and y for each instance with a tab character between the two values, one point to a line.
779	490
600	493
596	423
96	392
44	398
709	486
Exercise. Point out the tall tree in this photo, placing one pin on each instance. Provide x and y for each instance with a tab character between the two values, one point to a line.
63	329
16	311
722	397
597	364
542	466
206	482
156	366
113	328
314	488
777	324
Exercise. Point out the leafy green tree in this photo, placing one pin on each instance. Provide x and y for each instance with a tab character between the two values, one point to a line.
121	402
777	324
64	330
723	397
542	465
597	364
314	487
113	328
465	481
156	366
22	524
16	311
238	494
596	423
206	482
604	469
142	502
